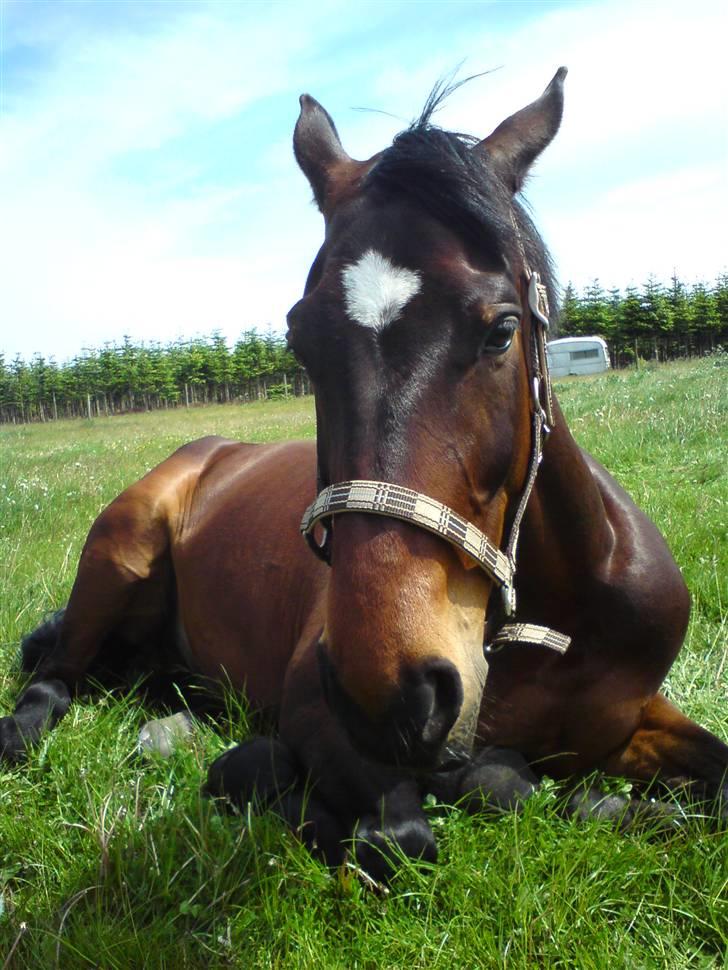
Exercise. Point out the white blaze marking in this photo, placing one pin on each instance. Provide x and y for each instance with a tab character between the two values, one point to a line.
376	291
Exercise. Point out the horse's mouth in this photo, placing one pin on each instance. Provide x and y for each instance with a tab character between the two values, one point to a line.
420	764
454	757
397	741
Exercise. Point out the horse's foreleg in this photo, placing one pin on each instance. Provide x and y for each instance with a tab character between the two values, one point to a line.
379	808
124	544
265	773
332	797
670	748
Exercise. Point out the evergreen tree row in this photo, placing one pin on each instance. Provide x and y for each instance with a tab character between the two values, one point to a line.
655	322
145	376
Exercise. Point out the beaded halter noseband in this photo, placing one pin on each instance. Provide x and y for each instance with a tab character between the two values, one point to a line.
395	501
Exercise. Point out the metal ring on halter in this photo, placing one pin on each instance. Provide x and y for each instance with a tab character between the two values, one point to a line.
322	550
538	406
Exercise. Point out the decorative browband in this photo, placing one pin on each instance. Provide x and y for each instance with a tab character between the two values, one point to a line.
381	498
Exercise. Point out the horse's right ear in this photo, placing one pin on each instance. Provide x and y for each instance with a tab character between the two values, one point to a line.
317	147
518	141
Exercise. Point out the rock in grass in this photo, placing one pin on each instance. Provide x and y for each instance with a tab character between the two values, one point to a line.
163	735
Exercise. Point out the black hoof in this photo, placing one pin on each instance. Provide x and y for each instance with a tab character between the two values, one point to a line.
498	779
379	851
593	804
13	748
259	771
39	709
629	814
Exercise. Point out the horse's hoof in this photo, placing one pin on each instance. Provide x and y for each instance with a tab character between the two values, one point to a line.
380	850
164	735
13	748
499	779
260	771
593	804
629	813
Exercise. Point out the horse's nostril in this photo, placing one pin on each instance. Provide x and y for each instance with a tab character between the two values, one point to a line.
420	702
445	689
414	726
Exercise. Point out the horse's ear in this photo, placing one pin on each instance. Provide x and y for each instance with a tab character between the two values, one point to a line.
316	146
518	141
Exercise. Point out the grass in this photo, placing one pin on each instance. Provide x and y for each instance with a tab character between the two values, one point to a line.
107	861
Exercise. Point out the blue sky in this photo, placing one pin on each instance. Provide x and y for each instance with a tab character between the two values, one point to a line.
148	185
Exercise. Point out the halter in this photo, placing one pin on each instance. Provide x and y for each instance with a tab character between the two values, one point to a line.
395	501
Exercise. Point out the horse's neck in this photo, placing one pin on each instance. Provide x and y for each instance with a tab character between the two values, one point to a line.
566	520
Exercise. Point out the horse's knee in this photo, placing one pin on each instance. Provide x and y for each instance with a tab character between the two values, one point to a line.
261	771
498	778
39	708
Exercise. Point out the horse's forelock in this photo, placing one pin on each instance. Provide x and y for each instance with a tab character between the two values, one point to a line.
440	172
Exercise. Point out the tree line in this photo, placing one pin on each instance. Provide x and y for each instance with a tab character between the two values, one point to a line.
655	321
652	322
130	376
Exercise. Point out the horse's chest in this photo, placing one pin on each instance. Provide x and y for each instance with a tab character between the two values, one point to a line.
527	716
570	714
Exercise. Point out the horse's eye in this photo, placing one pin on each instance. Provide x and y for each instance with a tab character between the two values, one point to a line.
500	335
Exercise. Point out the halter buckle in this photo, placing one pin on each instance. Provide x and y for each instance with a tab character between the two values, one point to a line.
538	301
508	595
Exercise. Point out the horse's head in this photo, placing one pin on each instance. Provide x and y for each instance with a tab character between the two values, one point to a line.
414	330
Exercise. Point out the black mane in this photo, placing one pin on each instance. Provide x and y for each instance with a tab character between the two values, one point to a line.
438	170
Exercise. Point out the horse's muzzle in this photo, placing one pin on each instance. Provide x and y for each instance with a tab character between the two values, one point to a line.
413	730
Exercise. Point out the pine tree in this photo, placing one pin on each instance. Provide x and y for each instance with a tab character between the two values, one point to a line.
571	313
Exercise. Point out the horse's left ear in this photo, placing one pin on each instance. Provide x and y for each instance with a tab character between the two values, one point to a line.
518	141
317	147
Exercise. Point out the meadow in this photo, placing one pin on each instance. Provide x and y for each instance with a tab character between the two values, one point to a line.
113	862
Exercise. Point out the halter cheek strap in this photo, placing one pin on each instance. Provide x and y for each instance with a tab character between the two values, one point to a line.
395	501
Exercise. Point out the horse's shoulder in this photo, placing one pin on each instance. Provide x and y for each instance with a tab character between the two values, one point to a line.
640	560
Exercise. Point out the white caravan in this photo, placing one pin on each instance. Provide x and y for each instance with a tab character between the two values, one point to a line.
577	355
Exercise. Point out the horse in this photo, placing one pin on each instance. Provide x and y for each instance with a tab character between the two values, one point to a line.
485	603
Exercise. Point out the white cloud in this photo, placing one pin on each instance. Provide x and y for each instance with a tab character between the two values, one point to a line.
648	226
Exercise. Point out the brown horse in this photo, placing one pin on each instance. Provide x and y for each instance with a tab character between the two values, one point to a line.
421	328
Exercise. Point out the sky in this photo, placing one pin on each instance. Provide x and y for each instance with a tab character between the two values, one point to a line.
148	186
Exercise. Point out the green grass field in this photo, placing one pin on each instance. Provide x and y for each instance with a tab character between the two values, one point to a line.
106	861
